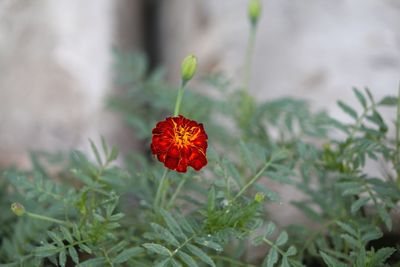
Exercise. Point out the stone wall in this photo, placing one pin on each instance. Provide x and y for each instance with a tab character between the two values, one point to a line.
55	70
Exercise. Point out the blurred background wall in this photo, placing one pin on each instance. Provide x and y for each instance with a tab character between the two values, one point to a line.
56	60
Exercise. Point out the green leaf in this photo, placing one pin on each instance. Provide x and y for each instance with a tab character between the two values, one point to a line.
247	158
271	258
360	97
96	152
162	263
211	199
330	261
200	254
282	239
55	238
187	259
46	250
385	217
347	109
104	145
208	243
389	101
127	254
174	263
73	254
158	249
381	256
173	226
85	248
285	262
165	234
67	234
62	258
114	154
291	251
270	229
356	205
346	227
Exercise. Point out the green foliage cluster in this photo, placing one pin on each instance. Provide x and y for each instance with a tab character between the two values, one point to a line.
89	211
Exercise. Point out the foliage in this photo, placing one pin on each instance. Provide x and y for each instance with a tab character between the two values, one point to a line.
83	212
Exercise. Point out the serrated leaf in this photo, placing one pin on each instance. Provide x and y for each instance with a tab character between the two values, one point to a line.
330	261
208	243
127	254
62	258
158	249
347	109
372	234
247	158
200	254
271	258
211	199
381	256
162	263
360	97
385	217
350	240
270	229
174	263
184	223
356	205
186	258
282	239
73	254
45	250
85	248
67	234
165	234
173	226
55	238
347	228
291	251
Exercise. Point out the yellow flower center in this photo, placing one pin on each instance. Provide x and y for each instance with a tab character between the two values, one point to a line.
184	135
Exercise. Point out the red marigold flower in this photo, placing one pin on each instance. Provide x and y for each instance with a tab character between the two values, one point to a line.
179	142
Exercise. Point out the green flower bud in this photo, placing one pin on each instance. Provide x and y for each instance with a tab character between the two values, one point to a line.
254	11
259	197
18	209
188	67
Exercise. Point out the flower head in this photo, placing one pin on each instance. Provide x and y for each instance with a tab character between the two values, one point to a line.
179	142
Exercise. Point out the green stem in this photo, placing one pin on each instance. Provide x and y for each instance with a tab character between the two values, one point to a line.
248	58
179	98
253	179
176	193
267	241
160	189
397	157
45	218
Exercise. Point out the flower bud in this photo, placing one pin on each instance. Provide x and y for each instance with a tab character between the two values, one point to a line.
18	209
259	197
188	67
254	11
